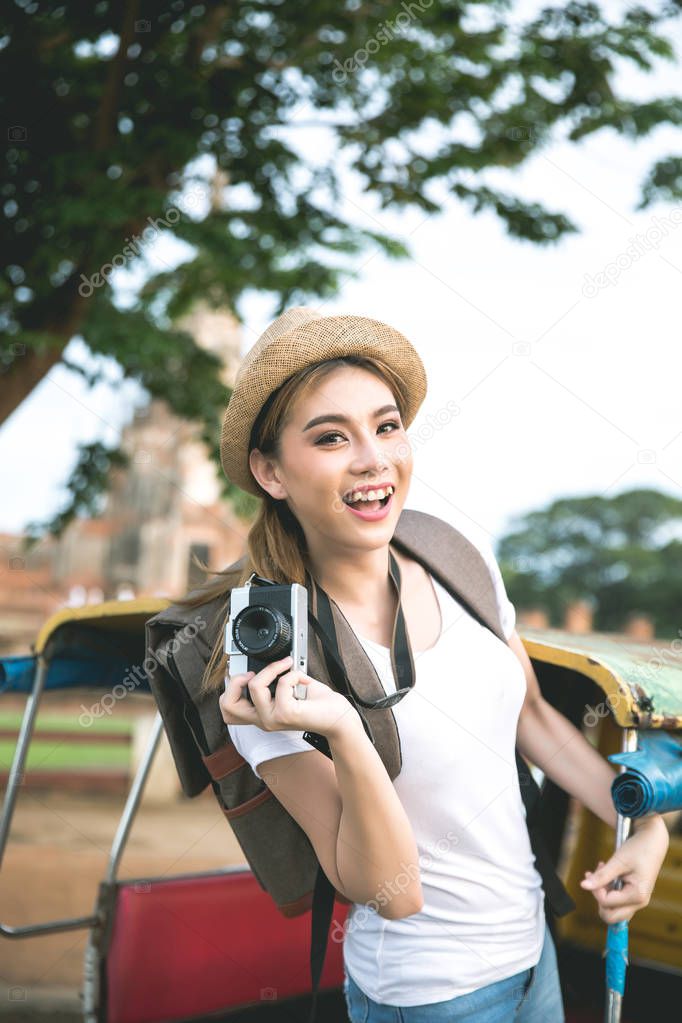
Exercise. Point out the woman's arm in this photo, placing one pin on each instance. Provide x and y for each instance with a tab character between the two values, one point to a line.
561	751
376	851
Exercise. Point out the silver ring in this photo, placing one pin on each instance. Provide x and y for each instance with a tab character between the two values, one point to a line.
300	691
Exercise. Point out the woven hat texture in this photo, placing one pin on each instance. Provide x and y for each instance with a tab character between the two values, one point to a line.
300	337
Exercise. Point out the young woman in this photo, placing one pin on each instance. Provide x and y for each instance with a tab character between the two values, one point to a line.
318	420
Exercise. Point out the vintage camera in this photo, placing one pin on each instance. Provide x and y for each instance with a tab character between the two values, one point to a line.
267	621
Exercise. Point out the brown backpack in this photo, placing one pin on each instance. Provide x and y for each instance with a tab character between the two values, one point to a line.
179	641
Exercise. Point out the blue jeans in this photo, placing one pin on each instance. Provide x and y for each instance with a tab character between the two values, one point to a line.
531	996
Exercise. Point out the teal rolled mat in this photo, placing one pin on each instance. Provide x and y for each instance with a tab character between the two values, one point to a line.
652	781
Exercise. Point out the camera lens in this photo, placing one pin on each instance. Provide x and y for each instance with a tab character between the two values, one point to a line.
262	631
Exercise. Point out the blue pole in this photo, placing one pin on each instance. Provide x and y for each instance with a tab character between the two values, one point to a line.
617	934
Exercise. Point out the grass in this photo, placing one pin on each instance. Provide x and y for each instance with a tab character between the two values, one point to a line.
12	719
46	756
49	754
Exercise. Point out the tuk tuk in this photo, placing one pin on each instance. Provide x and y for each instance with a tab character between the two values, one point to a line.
185	947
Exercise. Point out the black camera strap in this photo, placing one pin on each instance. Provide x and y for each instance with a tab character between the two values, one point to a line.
402	661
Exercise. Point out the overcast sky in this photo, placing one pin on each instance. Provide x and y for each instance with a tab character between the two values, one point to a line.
560	387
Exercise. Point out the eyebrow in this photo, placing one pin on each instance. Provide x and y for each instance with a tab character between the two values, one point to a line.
344	419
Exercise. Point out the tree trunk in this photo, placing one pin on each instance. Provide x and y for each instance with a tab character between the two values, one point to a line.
30	365
25	373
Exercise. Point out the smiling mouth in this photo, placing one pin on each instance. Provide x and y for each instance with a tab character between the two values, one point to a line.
361	501
369	505
371	509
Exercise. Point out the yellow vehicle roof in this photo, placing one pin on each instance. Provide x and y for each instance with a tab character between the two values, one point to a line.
125	616
641	680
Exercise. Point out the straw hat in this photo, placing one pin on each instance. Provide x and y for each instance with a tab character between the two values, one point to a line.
298	338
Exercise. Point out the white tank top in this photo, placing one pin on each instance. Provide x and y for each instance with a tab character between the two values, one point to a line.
483	914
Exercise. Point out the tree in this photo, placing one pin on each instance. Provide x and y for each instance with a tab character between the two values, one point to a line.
622	552
111	107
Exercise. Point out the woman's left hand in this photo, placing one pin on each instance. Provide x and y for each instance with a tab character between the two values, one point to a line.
637	862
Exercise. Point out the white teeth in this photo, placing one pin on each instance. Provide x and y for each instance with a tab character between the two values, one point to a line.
369	495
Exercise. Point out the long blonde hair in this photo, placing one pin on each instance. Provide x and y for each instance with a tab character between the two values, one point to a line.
276	544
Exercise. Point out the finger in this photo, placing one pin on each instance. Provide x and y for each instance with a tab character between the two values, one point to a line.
291	679
230	677
267	675
234	706
589	873
611	917
632	897
603	890
605	873
618	900
235	685
258	685
612	898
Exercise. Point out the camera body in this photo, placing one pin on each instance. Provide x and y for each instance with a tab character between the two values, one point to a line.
267	623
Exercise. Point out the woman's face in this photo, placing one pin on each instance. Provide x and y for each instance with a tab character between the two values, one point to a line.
323	459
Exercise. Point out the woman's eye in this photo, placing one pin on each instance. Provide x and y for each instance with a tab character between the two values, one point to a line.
325	438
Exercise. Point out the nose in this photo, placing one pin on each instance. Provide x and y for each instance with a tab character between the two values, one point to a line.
369	454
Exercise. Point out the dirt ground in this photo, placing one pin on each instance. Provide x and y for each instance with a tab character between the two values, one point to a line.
57	853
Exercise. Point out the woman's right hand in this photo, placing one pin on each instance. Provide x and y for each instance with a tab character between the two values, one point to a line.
323	710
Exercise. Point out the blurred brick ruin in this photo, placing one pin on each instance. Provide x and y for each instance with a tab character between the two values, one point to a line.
160	511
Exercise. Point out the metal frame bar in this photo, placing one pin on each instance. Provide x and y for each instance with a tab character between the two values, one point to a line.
21	752
629	738
13	783
133	801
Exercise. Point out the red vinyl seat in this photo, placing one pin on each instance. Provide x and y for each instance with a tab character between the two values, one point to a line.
193	945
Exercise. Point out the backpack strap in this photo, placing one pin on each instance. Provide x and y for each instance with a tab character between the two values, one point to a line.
558	899
223	761
323	908
457	564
